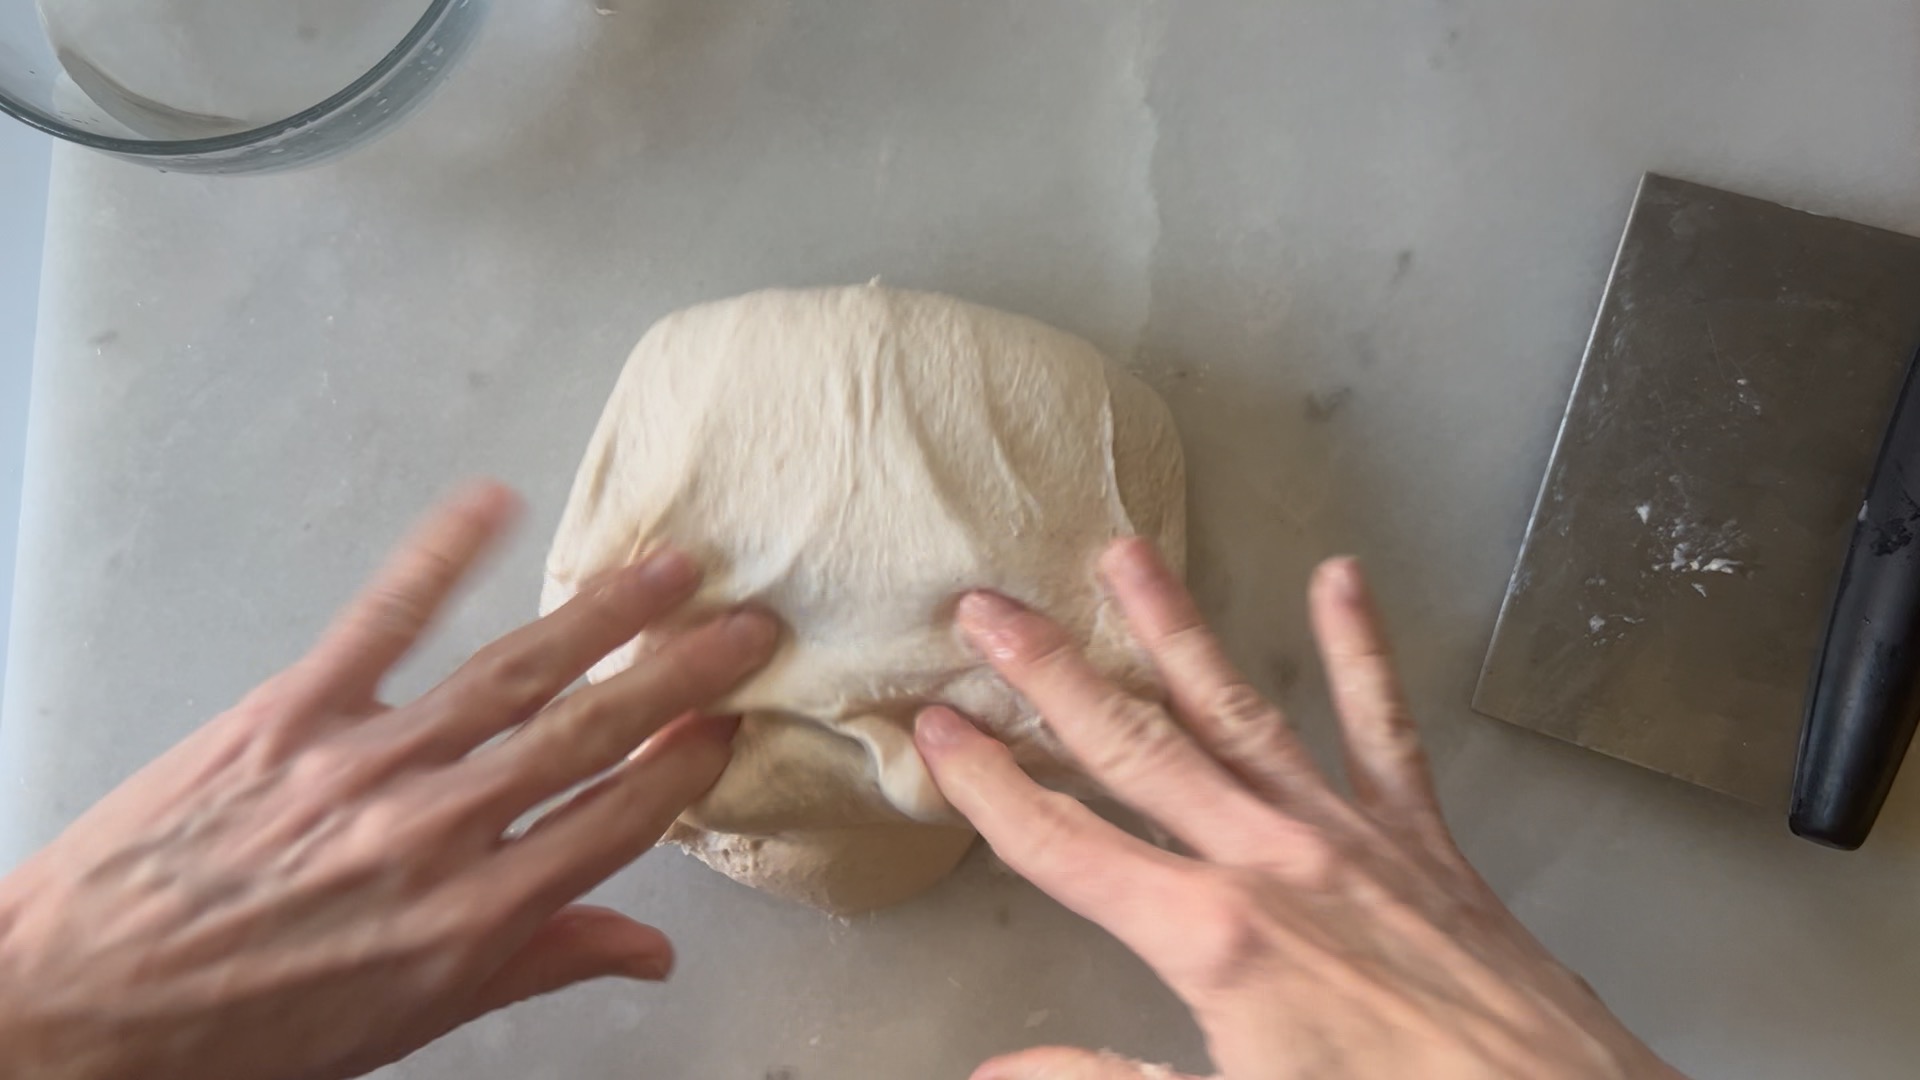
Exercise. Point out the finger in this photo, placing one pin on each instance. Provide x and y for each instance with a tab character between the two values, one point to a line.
1071	1063
513	678
576	944
1385	762
1131	746
614	821
1229	717
1118	881
382	623
594	729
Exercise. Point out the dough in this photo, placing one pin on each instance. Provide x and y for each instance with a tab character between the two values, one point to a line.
854	459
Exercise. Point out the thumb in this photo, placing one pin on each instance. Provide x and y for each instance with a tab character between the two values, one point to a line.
1071	1063
578	943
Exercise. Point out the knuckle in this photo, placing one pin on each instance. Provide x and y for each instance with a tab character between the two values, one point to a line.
595	714
697	668
566	724
1042	651
678	681
437	566
605	610
597	725
1268	751
1377	692
1037	643
1238	707
386	826
644	811
272	723
392	615
370	847
438	934
1189	640
1310	861
416	840
1233	935
473	916
511	674
1048	836
1261	742
252	744
1139	738
1400	731
326	769
282	693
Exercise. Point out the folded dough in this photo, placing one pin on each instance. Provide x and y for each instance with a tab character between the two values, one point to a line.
854	459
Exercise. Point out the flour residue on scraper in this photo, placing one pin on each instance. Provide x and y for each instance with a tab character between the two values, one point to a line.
1686	541
1681	542
1602	629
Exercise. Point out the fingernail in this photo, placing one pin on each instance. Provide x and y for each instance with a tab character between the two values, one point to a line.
1343	573
750	630
668	568
1128	561
653	968
491	498
984	615
481	491
940	728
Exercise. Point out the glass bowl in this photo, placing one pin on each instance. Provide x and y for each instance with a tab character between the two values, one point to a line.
225	86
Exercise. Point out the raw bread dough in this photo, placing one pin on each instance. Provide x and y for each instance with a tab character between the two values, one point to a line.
855	459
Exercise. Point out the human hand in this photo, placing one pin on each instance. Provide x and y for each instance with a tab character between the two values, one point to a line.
315	884
1312	935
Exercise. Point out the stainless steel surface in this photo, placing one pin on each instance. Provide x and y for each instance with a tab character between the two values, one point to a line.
357	94
1675	579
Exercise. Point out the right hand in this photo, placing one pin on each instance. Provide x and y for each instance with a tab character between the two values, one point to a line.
1312	935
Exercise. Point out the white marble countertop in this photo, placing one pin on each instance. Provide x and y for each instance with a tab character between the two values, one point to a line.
1357	245
24	155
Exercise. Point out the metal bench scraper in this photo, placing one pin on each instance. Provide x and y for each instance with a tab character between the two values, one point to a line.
1676	590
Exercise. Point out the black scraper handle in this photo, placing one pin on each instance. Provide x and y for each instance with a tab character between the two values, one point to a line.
1865	694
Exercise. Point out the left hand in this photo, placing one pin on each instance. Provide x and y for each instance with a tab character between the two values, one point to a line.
316	883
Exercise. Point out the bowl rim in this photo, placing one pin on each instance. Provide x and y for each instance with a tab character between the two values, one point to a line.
184	148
